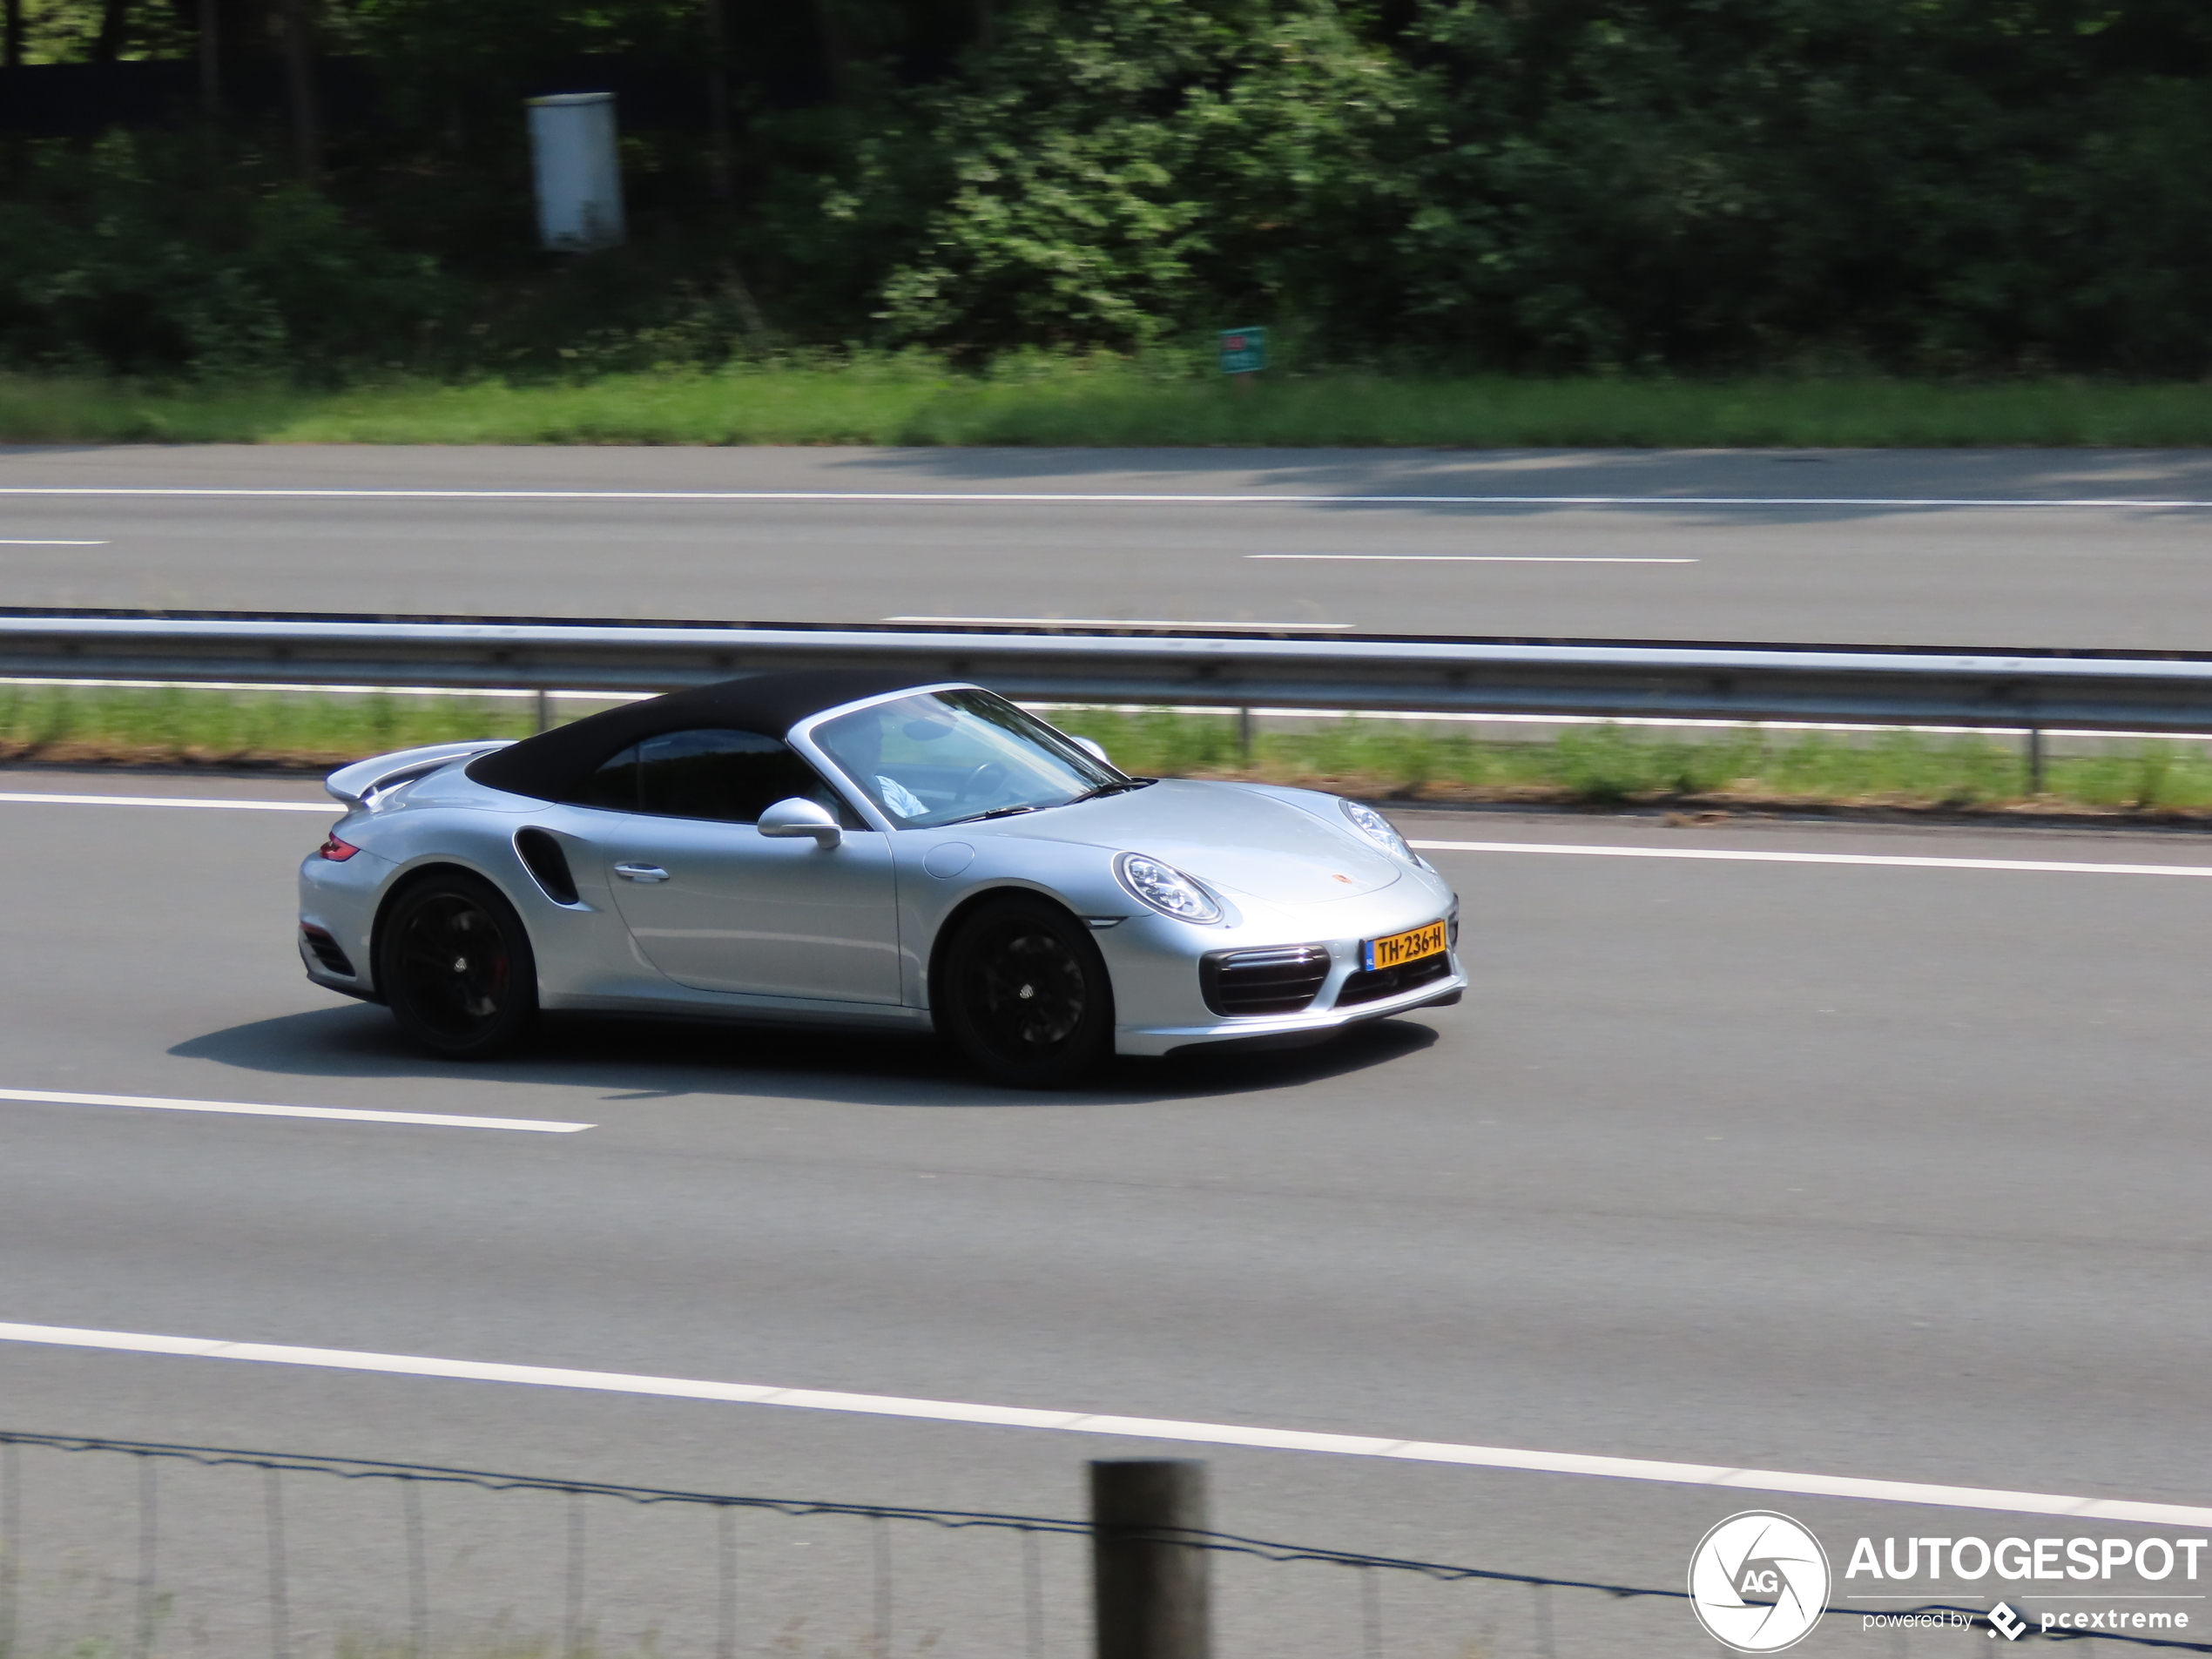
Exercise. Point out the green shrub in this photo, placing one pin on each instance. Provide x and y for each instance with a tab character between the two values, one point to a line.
131	257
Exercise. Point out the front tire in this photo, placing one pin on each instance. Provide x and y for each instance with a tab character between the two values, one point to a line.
1026	994
455	963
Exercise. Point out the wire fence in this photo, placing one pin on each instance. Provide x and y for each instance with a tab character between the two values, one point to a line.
167	1552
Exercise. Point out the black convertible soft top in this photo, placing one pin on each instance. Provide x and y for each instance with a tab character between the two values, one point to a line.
552	765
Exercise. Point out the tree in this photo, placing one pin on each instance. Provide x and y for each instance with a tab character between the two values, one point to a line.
1112	172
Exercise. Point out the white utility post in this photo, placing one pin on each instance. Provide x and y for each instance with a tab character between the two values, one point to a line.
579	180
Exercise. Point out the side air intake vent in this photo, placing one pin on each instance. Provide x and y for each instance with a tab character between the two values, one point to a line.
543	856
1281	980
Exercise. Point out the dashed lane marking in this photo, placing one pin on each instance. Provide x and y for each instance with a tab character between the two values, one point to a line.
244	1108
328	809
1473	559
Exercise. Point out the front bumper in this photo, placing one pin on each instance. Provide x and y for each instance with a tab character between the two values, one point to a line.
1289	1030
1159	965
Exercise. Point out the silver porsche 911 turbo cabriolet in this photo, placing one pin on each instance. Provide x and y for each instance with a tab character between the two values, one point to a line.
843	848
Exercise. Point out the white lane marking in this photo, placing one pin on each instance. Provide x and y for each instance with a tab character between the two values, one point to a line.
1112	498
1473	558
328	809
1126	621
334	689
156	1103
947	1411
2045	866
12	541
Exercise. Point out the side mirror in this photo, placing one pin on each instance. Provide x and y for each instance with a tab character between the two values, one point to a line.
1097	750
788	819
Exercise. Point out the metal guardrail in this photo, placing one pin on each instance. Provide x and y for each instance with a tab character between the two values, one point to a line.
2093	690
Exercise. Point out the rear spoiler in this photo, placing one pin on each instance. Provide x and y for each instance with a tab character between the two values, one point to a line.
355	784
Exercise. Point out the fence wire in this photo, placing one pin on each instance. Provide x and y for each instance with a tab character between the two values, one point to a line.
577	1639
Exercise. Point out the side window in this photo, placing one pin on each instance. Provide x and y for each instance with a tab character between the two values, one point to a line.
614	785
732	777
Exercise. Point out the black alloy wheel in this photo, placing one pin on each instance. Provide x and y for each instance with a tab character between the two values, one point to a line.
1027	995
455	965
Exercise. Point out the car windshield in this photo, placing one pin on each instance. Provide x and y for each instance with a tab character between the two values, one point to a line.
945	756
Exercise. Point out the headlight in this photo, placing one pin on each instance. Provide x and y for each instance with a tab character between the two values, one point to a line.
1376	828
1165	888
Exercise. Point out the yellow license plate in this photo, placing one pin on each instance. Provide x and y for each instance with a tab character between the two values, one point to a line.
1400	949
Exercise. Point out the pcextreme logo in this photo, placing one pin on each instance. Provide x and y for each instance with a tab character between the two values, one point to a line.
1758	1583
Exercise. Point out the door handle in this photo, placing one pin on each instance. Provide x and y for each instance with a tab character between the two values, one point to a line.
647	872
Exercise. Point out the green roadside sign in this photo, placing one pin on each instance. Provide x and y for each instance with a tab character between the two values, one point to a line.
1244	351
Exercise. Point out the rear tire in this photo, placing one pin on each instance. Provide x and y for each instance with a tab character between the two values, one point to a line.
1026	994
454	964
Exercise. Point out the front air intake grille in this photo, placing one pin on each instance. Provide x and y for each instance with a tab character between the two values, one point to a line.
1282	981
1376	983
325	950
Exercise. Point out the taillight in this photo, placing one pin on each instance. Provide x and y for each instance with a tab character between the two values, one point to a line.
337	850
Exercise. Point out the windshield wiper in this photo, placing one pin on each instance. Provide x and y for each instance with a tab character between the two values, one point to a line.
1115	788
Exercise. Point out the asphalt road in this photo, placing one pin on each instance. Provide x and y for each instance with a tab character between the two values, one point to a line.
1983	549
1861	1170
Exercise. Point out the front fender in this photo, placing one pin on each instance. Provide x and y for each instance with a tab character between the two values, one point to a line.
1078	878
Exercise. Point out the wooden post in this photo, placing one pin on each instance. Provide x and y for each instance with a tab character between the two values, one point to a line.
1151	1587
299	88
721	161
211	58
115	31
11	36
837	55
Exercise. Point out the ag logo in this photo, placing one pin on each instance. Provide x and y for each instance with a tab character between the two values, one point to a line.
1758	1583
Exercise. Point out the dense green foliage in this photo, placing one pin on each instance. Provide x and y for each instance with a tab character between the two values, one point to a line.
1115	175
1925	187
121	259
1930	183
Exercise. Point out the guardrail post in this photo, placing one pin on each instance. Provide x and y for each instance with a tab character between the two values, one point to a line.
1150	1586
2035	760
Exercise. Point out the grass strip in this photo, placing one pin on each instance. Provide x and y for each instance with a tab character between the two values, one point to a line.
178	726
1611	765
915	400
1595	765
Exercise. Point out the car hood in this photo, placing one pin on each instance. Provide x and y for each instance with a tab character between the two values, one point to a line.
1229	837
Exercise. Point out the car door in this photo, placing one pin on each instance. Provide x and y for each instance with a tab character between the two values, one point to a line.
714	904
